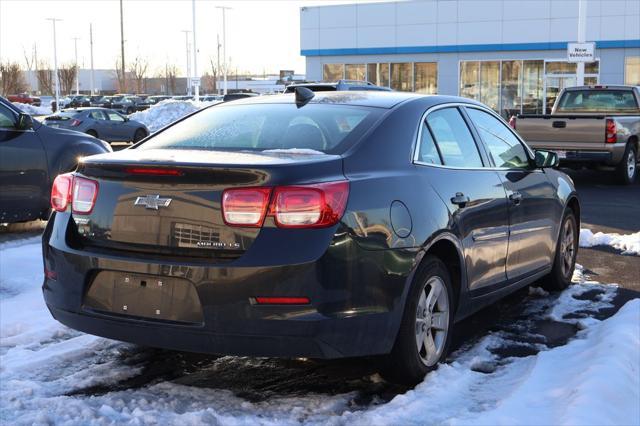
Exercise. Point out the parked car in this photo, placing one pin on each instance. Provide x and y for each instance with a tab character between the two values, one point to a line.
318	237
31	156
340	85
101	123
25	98
95	100
211	98
129	104
64	102
183	98
78	101
152	100
238	95
590	126
108	101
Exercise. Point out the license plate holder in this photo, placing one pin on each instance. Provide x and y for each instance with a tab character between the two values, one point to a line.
147	297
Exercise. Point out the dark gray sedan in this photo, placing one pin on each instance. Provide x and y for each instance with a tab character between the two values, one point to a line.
101	123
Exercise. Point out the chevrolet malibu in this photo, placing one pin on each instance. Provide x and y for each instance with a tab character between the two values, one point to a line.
326	225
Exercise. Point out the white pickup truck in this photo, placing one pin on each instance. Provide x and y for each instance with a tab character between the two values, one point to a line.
590	126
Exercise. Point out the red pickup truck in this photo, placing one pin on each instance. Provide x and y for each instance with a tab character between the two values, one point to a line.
24	98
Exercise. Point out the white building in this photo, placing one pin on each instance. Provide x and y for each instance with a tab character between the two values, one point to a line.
509	54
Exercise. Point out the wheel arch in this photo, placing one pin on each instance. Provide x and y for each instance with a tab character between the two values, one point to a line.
574	204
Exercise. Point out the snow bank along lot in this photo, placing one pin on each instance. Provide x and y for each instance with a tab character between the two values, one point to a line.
33	110
50	374
166	112
628	244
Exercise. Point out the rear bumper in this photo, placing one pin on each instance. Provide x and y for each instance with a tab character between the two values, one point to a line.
356	297
605	154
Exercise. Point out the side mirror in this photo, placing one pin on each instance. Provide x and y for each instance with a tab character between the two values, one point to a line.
25	122
126	119
546	159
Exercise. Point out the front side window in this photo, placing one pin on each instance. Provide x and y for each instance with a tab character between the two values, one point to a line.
97	115
454	138
504	147
114	116
6	118
259	127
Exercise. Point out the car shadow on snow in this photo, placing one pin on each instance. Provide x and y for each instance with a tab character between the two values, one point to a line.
520	322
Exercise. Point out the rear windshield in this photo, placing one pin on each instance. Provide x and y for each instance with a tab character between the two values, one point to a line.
63	115
258	127
598	101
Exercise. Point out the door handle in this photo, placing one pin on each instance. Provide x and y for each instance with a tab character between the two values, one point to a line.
460	199
559	124
515	198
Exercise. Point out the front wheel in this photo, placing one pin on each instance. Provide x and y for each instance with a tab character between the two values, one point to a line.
566	252
425	332
139	135
627	169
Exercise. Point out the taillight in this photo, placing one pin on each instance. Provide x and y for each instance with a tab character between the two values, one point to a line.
245	206
310	206
85	192
151	171
75	123
512	122
61	192
280	300
612	133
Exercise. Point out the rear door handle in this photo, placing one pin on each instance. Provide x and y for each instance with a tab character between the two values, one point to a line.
559	124
516	198
460	199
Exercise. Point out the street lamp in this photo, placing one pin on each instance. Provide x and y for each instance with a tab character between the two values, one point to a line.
75	47
196	79
224	44
186	42
55	62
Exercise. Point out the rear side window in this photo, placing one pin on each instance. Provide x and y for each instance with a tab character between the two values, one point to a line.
505	149
428	152
454	138
6	118
97	115
597	101
320	127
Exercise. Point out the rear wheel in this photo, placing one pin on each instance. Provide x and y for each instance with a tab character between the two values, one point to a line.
130	110
565	258
628	169
139	135
92	133
425	332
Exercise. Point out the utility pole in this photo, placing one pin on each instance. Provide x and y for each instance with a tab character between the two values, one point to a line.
218	73
92	83
195	53
55	63
75	48
582	35
124	78
224	44
186	42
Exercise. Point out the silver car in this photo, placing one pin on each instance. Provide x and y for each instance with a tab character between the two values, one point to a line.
101	123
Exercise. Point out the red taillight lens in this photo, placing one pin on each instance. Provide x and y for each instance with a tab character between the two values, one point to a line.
612	133
310	206
153	171
282	300
512	122
75	123
61	192
85	192
245	206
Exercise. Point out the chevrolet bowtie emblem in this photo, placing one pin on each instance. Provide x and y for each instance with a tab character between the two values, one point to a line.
152	202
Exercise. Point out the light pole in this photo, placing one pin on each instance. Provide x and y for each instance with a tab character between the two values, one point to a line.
582	35
124	77
55	62
224	45
91	49
186	42
195	53
75	48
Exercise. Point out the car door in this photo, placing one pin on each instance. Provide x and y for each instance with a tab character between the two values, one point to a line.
101	124
119	130
534	209
473	193
24	179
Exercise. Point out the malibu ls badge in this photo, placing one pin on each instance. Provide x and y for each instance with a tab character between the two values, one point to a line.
152	202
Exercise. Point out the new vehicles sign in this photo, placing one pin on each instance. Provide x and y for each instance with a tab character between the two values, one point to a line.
581	52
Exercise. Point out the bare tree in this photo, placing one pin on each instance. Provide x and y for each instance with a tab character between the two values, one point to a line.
45	78
171	75
67	75
120	77
30	60
138	70
210	80
11	78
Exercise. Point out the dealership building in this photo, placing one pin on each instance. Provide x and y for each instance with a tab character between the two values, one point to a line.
509	54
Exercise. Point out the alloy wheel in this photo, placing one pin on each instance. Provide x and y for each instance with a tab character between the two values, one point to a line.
567	247
432	321
631	164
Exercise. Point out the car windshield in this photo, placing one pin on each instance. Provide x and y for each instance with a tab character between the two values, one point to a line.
259	127
597	101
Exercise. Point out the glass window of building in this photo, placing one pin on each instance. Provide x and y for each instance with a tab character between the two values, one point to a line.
426	77
510	88
454	138
532	86
332	72
560	67
378	74
402	76
632	70
470	79
354	71
505	149
490	84
372	73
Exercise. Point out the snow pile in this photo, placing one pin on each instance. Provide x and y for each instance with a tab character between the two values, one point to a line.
629	244
33	110
594	379
166	112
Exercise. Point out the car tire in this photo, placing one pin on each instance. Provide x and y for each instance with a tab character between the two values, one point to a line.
565	257
420	346
92	133
129	110
139	135
627	170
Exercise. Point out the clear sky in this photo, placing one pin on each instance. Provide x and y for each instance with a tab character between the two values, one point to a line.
261	35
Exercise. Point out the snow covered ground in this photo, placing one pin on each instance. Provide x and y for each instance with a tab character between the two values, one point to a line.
167	112
34	110
50	374
629	244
